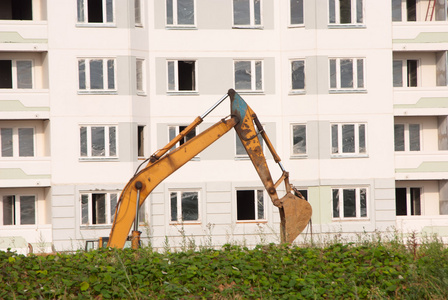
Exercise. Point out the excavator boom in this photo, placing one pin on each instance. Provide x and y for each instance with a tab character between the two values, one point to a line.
295	212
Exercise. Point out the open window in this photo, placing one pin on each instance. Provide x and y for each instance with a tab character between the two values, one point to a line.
16	10
16	74
140	141
98	208
419	10
346	12
96	11
408	201
181	75
405	73
250	205
18	210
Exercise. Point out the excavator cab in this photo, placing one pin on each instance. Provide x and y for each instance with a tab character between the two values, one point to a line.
295	211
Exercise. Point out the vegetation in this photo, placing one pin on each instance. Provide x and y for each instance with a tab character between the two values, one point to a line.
369	270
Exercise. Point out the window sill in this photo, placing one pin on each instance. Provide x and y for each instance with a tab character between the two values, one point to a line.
346	91
349	156
106	159
96	25
246	92
99	226
143	94
303	156
181	27
92	92
185	223
251	221
296	26
237	158
347	26
259	27
350	219
297	92
182	93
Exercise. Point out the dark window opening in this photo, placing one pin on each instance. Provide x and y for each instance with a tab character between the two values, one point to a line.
186	75
415	202
98	208
245	205
9	210
411	8
345	11
16	10
95	11
412	73
5	74
140	140
400	202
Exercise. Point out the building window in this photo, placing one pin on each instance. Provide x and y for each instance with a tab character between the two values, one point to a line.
347	73
138	13
181	75
140	76
297	76
345	12
16	74
407	137
413	10
247	13
98	208
18	210
296	12
405	73
298	139
349	203
98	141
348	139
17	142
250	205
96	74
240	151
184	206
140	141
408	201
16	10
180	13
248	75
96	11
174	131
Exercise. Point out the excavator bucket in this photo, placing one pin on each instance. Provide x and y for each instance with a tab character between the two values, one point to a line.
294	216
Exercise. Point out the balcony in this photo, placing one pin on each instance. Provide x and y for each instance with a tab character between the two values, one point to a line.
24	104
424	166
426	225
25	172
421	101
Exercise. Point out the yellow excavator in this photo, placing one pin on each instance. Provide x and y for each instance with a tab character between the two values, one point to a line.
295	211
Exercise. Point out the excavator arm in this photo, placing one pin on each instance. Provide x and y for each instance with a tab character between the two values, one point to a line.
295	212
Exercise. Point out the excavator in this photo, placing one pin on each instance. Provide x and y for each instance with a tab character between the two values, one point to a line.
295	211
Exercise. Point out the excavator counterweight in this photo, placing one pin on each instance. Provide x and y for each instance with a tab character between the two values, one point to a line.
295	212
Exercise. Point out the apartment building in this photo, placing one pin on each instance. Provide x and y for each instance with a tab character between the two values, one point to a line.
352	93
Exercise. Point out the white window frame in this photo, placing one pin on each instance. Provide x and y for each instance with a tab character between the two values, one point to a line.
290	14
107	154
16	141
356	85
251	16
292	140
175	16
291	88
357	204
176	90
179	193
409	201
83	20
340	149
108	213
354	11
87	83
140	81
17	209
405	73
14	74
257	191
253	74
407	137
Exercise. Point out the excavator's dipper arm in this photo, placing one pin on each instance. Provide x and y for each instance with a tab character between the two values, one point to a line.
295	213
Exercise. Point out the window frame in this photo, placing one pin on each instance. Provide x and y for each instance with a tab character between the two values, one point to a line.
353	14
405	73
257	219
176	90
340	144
141	141
108	207
107	145
251	24
410	204
15	76
87	78
238	142
140	66
253	80
179	219
291	83
358	212
407	138
290	24
17	209
175	16
16	142
293	154
82	21
355	76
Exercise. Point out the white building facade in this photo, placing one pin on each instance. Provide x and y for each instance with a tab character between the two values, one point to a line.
352	93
